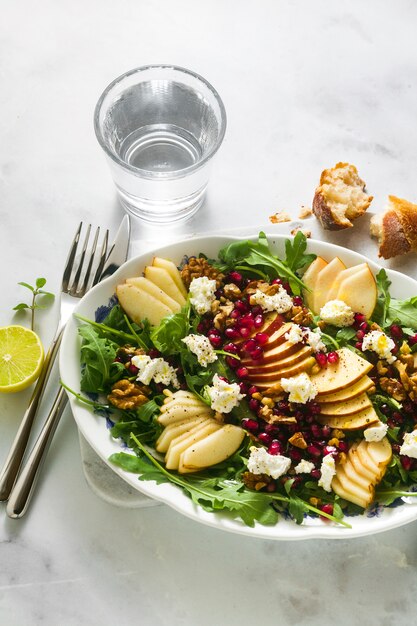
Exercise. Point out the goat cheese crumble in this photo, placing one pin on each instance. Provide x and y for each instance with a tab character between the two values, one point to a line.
154	369
281	302
328	471
379	342
337	313
261	462
375	433
409	446
224	396
300	387
304	467
299	334
201	292
202	348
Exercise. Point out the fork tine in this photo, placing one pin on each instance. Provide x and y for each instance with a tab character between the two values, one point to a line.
83	288
75	282
103	256
70	260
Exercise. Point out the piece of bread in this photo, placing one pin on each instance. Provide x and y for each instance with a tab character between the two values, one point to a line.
340	197
396	229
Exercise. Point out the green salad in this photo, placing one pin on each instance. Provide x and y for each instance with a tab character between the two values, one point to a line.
263	387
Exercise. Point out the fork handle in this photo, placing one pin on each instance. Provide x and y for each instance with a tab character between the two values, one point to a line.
23	489
14	459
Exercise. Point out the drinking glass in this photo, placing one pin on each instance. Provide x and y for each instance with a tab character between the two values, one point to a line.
160	127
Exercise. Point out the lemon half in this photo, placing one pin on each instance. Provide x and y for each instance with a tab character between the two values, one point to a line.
21	358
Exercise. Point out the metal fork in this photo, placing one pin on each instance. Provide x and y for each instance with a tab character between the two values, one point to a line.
77	277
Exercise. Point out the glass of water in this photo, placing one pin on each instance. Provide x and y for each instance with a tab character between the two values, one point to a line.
160	127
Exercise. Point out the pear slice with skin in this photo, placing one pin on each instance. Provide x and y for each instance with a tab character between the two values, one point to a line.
173	271
349	271
260	367
350	392
362	419
176	429
140	305
146	285
162	279
351	492
380	452
180	412
310	278
359	291
213	449
266	380
361	469
347	371
325	279
181	443
346	407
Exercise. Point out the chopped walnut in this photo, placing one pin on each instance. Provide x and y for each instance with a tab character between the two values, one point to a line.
300	315
256	481
222	316
393	387
232	291
298	441
127	395
409	382
197	267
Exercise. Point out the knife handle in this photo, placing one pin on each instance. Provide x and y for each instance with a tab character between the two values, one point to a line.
17	450
22	491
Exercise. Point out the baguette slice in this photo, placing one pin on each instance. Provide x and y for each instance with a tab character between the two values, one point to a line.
340	197
396	229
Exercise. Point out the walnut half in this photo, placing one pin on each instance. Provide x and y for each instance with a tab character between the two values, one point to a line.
126	395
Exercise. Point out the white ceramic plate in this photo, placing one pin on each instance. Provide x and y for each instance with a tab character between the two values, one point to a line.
95	431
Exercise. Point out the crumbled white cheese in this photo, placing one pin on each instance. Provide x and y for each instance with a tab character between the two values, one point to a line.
304	467
295	334
202	348
300	387
281	302
379	342
337	313
328	471
154	369
201	292
224	396
409	446
376	433
274	465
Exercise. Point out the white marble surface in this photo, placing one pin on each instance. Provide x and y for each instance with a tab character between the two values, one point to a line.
305	84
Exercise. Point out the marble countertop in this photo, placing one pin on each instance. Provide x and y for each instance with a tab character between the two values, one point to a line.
305	85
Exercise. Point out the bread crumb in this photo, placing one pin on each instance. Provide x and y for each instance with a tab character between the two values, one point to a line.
280	217
305	212
297	229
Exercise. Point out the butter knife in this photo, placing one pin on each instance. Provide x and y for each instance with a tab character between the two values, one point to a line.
23	489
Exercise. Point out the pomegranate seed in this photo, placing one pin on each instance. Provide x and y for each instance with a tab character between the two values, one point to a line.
396	448
287	287
252	390
298	301
314	450
235	277
364	327
384	408
326	508
258	320
231	348
242	372
359	318
261	338
395	349
295	454
321	359
153	353
265	438
271	487
412	340
232	362
243	388
251	425
329	450
215	340
406	462
254	405
408	407
396	331
275	448
314	408
360	334
358	345
326	431
272	429
316	430
232	333
133	369
332	358
276	281
246	320
241	306
283	406
244	331
316	474
397	417
343	446
235	314
250	345
257	353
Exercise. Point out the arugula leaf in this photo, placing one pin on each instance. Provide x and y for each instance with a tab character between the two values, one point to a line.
389	310
247	255
99	368
167	336
295	252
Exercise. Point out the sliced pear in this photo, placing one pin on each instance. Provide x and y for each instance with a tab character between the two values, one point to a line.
266	380
349	271
380	452
325	279
140	305
146	285
181	393
364	459
276	354
350	392
173	271
181	443
355	476
310	278
361	419
180	412
347	407
352	492
162	279
213	449
279	364
175	430
347	371
360	469
277	338
359	291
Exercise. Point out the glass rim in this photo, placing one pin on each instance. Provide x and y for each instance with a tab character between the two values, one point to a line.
146	173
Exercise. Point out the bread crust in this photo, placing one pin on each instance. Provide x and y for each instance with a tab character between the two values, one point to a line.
334	211
397	228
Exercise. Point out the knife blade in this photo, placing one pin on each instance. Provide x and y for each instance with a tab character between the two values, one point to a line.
23	489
